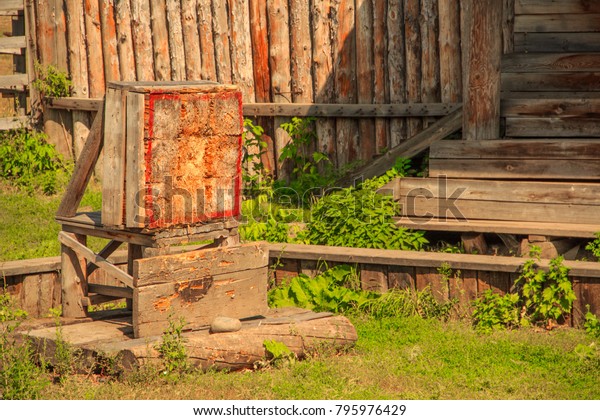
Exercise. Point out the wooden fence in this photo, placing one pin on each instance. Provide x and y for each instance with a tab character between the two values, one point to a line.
278	51
36	283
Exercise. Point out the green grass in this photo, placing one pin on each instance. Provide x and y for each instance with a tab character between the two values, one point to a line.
393	359
27	226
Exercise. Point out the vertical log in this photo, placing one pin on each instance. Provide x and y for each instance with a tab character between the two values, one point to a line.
142	39
380	85
396	66
78	72
430	60
482	50
221	41
175	40
241	48
301	51
32	57
125	41
365	76
279	61
345	81
322	52
207	44
450	58
260	49
412	12
191	40
93	38
109	40
508	26
160	40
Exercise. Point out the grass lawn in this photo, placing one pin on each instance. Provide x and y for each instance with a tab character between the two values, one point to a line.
27	226
393	359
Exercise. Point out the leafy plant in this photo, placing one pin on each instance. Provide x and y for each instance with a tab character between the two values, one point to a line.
52	82
493	311
65	356
360	218
278	354
594	246
591	323
172	350
256	177
29	161
20	376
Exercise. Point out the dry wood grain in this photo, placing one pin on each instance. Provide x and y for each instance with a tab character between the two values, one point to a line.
220	26
381	91
412	40
553	127
160	40
176	46
93	37
109	40
260	50
241	48
365	82
557	42
207	43
142	39
557	22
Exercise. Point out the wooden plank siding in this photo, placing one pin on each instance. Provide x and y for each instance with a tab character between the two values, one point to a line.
555	57
355	52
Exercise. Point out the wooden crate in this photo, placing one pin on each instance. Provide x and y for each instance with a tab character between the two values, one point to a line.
172	153
199	286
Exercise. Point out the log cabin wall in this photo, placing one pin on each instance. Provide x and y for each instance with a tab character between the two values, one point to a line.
551	72
277	51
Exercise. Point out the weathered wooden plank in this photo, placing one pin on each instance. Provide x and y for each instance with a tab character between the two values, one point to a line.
403	278
419	259
12	123
241	48
199	300
543	149
142	39
30	266
373	278
413	54
344	67
135	211
11	5
460	209
544	7
553	127
550	62
279	65
588	293
191	39
563	81
14	82
78	71
322	65
481	54
381	91
73	284
176	48
498	283
119	292
160	40
84	168
578	230
105	252
109	41
285	269
450	62
260	50
93	37
70	241
207	43
350	110
551	107
508	26
365	76
463	288
557	22
412	147
521	192
220	23
430	60
429	278
557	42
202	263
301	52
12	44
124	28
78	104
114	159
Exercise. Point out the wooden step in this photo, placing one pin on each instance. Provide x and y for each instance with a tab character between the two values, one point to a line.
14	82
12	45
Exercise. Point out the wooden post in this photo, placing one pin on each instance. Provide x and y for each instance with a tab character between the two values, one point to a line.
396	60
160	40
430	58
176	49
482	50
73	281
412	14
380	85
222	53
142	39
93	37
191	39
508	26
241	46
207	44
109	40
450	56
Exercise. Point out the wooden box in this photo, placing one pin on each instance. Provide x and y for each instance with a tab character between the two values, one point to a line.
199	286
172	153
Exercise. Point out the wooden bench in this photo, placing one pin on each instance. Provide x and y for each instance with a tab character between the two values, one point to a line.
518	187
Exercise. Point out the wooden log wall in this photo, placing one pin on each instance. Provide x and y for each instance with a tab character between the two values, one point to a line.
551	72
314	51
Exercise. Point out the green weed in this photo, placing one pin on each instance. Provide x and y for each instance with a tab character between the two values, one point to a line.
594	246
172	349
52	82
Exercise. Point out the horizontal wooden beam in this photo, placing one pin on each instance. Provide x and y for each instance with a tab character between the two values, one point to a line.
114	291
557	42
14	82
544	7
553	127
558	22
550	107
299	110
12	44
554	62
92	257
11	123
